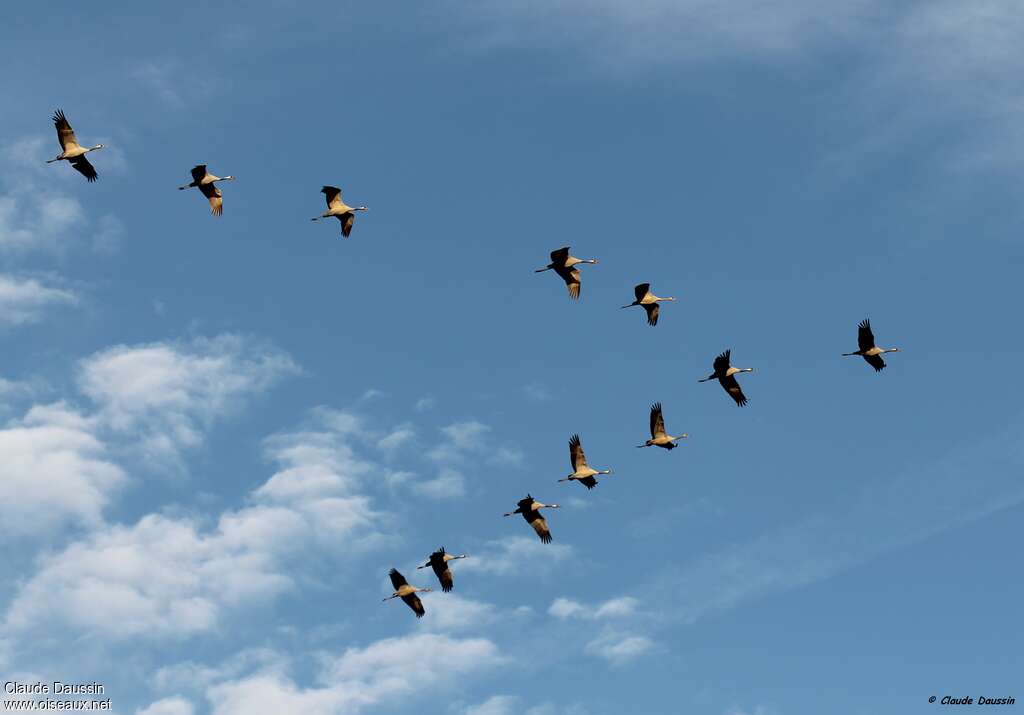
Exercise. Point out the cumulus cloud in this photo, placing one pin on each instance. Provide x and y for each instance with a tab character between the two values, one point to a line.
175	577
359	678
54	470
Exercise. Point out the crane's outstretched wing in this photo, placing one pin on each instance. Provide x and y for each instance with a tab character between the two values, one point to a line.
721	363
346	223
588	482
198	172
576	456
333	196
875	361
444	575
397	579
641	290
559	255
571	276
653	309
657	421
865	338
413	601
540	525
213	194
83	167
731	386
65	134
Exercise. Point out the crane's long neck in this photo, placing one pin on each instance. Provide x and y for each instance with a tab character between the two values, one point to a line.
891	350
94	148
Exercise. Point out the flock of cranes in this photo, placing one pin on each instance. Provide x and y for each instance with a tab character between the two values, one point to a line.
566	267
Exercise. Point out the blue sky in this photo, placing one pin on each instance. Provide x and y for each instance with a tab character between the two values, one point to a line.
219	434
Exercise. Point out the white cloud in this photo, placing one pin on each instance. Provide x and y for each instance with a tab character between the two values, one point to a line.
452	612
25	300
57	466
468	435
424	403
420	665
159	578
471	439
617	647
512	704
396	438
496	705
54	471
515	554
449	484
563	608
167	577
168	706
37	217
165	394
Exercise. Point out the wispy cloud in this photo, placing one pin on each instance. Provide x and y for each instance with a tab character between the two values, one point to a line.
921	64
619	647
26	300
516	554
564	608
167	393
171	82
449	484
